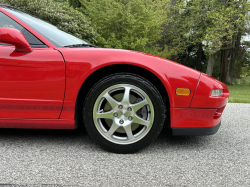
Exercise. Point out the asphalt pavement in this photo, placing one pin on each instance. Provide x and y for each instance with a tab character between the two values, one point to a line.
65	157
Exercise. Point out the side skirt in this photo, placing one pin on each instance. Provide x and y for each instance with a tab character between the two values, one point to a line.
37	123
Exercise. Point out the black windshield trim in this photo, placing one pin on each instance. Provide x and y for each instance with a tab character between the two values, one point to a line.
33	46
80	45
39	46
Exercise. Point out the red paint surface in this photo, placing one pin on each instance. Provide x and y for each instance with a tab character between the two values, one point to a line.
82	62
32	84
202	97
16	38
37	123
219	112
193	118
38	87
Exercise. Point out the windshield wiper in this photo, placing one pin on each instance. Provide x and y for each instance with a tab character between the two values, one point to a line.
80	45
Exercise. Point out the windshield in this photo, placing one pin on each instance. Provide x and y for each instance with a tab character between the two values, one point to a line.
48	31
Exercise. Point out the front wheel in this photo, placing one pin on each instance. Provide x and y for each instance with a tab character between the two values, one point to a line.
123	113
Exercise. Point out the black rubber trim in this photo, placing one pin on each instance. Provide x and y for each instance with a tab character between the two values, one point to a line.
195	131
23	51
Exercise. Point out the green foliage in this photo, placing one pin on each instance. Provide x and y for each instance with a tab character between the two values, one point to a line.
134	25
61	1
245	72
75	3
188	57
59	14
210	22
242	61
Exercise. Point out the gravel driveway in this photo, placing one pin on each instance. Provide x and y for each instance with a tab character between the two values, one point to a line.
70	158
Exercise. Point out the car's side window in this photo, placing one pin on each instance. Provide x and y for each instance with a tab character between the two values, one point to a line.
6	21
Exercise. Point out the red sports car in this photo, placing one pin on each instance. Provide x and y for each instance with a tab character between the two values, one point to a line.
52	80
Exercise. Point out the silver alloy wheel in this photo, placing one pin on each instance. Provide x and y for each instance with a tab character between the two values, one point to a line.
130	121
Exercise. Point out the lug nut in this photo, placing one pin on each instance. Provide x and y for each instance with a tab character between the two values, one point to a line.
120	106
115	114
121	121
129	109
130	118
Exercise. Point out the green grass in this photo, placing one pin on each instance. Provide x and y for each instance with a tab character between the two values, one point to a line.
239	93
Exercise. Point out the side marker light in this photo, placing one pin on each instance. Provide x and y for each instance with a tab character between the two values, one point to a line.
182	91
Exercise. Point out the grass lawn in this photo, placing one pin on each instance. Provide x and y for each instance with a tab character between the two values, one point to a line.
239	93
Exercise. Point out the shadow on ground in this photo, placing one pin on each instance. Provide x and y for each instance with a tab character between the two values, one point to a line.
78	136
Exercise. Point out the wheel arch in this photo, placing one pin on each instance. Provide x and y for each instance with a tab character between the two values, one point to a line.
100	73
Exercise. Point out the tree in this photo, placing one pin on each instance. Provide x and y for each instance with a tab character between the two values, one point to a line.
210	64
191	23
211	25
241	18
231	20
233	53
134	25
242	61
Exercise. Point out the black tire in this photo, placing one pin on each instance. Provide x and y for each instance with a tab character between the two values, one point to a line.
128	79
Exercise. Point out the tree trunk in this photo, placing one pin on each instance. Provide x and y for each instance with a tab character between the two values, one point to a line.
224	62
233	54
210	64
199	56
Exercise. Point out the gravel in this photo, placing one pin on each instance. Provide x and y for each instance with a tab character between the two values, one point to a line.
62	157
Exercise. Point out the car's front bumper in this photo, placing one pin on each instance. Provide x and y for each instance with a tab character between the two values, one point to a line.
195	121
203	116
195	131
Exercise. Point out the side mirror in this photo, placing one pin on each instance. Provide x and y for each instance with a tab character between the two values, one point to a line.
14	37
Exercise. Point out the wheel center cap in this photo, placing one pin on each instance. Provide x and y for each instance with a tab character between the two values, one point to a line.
124	113
127	113
119	114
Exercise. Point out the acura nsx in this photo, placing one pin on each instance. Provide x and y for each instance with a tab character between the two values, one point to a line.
50	79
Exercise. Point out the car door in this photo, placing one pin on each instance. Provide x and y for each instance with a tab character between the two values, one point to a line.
32	84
